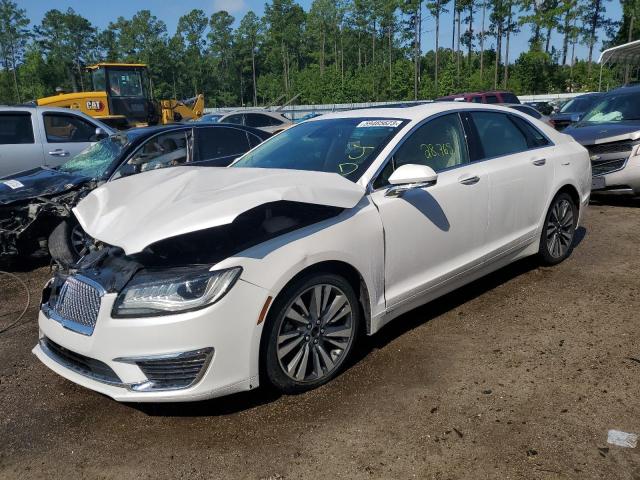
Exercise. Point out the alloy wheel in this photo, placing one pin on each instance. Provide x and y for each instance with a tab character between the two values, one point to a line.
80	241
560	228
315	334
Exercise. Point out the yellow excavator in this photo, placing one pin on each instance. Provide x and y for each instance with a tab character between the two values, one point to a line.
121	98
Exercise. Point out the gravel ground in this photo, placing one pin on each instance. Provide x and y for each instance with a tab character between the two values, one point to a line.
518	375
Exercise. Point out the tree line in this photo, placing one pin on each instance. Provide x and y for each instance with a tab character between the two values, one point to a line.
339	51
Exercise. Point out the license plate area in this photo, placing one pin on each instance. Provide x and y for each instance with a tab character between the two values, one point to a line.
598	183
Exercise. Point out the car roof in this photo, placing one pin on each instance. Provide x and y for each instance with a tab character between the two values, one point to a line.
265	112
30	108
416	113
138	132
464	94
634	88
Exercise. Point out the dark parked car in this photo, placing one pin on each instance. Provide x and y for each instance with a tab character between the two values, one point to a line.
35	205
497	96
573	111
544	108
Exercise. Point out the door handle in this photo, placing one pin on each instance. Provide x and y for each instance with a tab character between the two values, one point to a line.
58	152
469	180
539	162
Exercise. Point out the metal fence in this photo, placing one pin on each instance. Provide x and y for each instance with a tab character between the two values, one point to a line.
298	111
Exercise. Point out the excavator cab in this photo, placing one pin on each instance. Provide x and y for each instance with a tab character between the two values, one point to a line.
127	92
121	98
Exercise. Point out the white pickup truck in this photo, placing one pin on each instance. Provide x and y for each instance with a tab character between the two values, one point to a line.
32	137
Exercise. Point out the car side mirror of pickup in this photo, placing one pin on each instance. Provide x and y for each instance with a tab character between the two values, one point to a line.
410	176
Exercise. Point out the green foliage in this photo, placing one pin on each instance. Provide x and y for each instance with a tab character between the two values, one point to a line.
338	52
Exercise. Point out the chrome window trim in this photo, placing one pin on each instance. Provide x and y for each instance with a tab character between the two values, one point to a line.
374	177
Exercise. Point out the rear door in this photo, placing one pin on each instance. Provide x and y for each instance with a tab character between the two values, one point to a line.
20	147
219	146
519	162
65	135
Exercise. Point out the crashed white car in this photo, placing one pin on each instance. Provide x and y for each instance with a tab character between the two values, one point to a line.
209	281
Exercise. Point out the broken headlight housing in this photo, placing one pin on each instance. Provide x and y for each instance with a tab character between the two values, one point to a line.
152	293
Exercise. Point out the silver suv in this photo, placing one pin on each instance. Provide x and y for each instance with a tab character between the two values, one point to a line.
32	137
611	133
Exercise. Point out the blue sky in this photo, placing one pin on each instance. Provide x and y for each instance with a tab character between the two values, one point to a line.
102	12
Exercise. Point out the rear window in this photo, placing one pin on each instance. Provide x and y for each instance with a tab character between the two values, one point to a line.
508	97
528	110
15	128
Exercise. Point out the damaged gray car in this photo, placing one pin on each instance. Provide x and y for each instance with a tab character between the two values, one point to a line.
35	205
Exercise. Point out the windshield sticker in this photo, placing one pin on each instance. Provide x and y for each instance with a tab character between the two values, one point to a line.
13	184
379	123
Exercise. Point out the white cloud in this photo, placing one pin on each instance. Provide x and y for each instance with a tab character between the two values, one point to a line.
231	6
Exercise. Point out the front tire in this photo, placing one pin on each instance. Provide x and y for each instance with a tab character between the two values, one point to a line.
68	242
558	231
310	332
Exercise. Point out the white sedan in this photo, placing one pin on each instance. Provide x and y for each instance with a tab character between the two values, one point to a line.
209	281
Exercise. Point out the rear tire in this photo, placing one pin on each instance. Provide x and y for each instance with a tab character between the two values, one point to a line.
68	242
558	231
302	349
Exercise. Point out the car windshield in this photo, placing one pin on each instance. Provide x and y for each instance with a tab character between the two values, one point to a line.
346	146
578	104
95	160
620	107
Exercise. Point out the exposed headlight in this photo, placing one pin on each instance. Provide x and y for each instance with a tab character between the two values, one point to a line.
173	291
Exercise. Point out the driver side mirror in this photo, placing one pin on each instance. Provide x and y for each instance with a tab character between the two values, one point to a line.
99	134
409	177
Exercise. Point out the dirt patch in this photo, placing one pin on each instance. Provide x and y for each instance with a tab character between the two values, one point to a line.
518	375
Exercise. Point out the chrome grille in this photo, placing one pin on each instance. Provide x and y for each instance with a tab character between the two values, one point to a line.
602	168
77	304
613	147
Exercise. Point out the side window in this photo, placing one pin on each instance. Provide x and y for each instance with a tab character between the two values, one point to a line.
476	99
535	138
257	120
508	97
220	142
439	144
254	140
498	134
61	128
529	111
161	151
492	99
16	128
235	119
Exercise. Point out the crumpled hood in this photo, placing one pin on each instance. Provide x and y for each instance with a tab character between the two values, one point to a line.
38	182
134	212
594	133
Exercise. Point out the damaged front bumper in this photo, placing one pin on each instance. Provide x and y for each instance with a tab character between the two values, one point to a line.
213	351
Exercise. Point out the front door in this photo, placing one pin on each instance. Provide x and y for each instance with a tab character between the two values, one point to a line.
66	135
434	233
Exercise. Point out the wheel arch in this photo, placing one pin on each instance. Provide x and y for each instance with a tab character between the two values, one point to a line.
572	191
351	274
